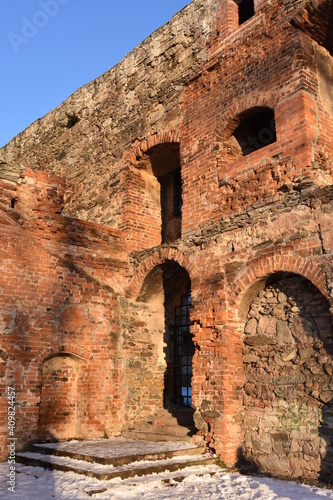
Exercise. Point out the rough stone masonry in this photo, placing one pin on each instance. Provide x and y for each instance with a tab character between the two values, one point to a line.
166	240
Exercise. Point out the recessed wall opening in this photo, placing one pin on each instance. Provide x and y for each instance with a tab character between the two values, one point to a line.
245	10
165	164
179	343
325	29
183	351
62	406
256	130
287	389
167	290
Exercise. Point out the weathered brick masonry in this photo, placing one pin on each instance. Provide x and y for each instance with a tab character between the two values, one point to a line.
207	153
59	323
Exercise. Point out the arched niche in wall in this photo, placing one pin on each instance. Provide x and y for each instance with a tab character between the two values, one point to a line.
288	390
253	129
62	400
163	162
167	292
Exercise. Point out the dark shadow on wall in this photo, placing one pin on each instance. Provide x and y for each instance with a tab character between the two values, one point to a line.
326	427
248	468
245	466
166	167
326	433
177	337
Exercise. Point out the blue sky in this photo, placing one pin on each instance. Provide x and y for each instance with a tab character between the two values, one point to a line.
50	48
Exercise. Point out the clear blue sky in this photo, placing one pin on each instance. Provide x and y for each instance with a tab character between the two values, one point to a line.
50	48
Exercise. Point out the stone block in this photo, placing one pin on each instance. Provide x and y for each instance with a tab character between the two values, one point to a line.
284	334
251	327
259	340
262	445
276	465
306	353
267	325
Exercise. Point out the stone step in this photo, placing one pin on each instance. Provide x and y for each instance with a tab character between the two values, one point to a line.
157	436
106	472
165	452
175	422
181	417
175	411
159	420
163	428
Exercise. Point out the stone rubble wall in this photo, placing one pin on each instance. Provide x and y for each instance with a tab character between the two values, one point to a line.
288	391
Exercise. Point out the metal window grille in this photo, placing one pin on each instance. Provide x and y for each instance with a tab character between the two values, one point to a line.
184	350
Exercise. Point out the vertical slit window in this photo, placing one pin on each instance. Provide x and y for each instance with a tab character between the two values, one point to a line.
245	10
184	350
177	194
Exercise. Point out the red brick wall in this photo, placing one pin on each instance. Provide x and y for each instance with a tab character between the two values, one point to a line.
60	398
74	288
226	274
56	299
218	180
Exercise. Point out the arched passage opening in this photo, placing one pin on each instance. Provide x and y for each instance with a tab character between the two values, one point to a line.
167	291
288	391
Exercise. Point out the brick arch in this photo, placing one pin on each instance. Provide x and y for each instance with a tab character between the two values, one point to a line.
65	354
140	148
260	269
157	258
70	350
237	108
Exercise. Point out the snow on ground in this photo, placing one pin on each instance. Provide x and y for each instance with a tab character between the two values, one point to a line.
116	447
105	469
204	483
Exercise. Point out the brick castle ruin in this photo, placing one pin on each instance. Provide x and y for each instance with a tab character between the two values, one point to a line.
167	236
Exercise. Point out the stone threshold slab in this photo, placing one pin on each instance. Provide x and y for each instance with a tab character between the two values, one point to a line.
117	451
107	472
